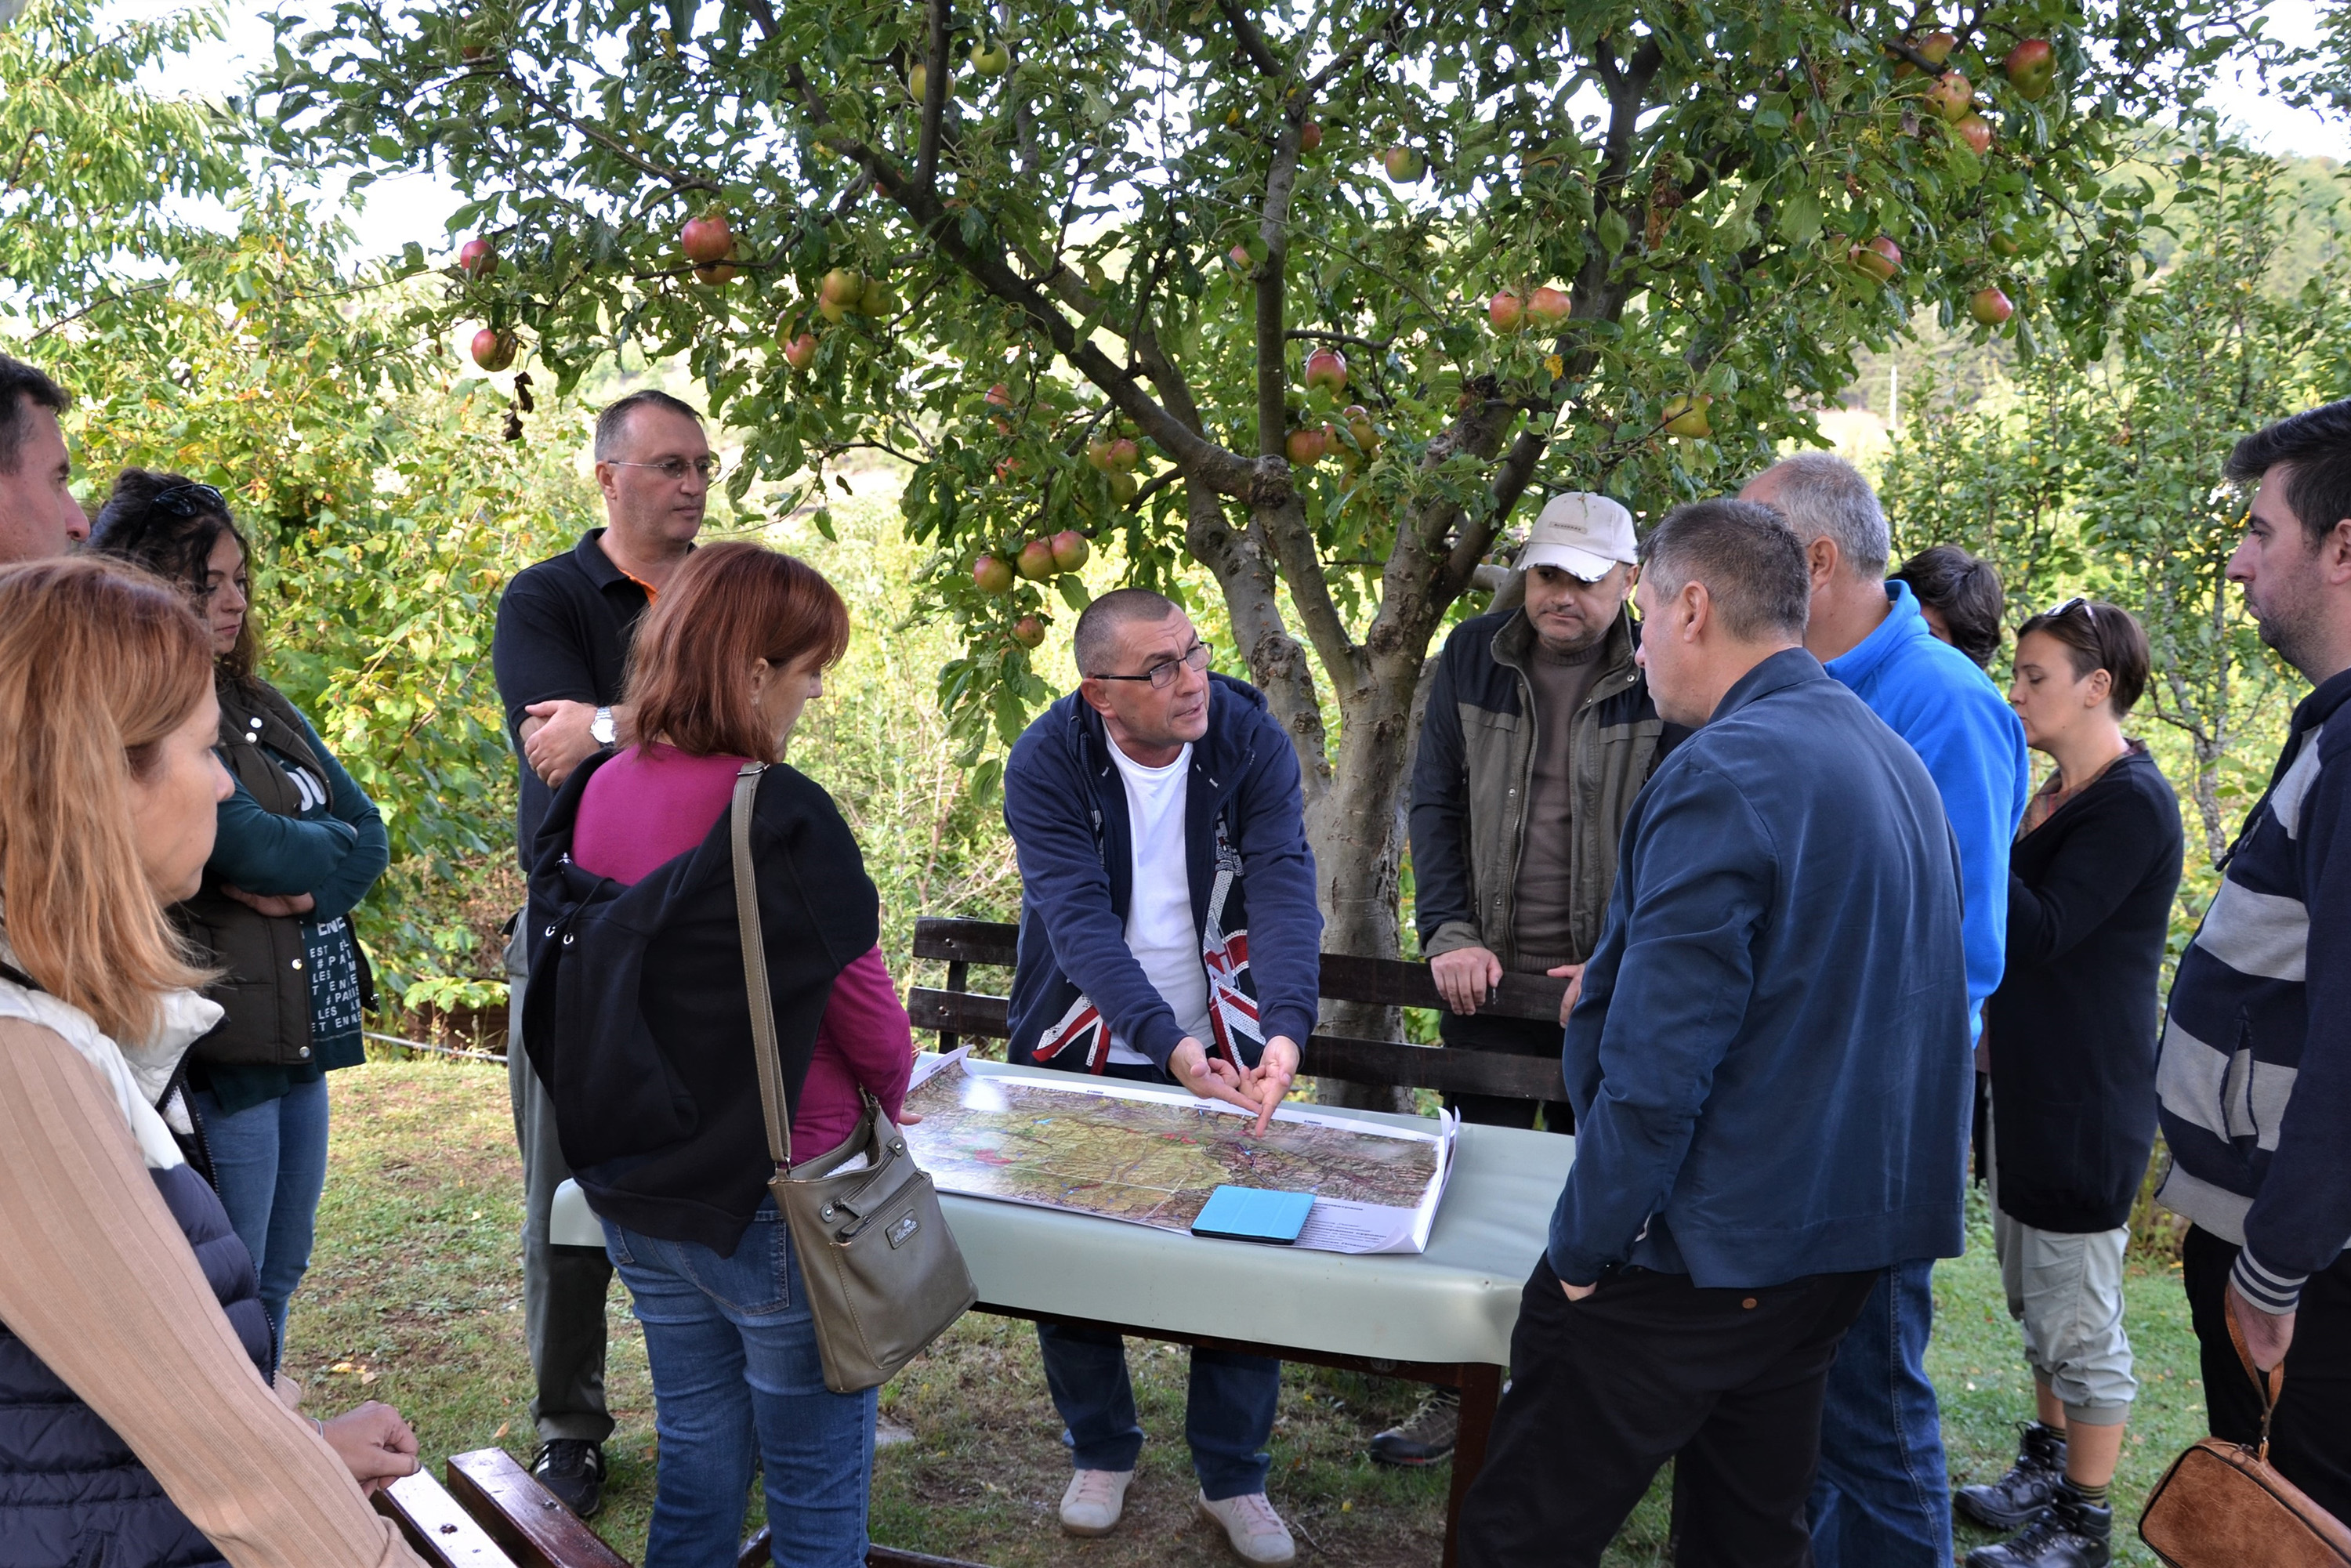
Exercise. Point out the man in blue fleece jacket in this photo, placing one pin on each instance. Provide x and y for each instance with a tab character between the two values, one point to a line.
1768	1068
1168	932
2255	1078
1884	1498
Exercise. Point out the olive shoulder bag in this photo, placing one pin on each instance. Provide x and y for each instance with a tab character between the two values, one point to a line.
883	1273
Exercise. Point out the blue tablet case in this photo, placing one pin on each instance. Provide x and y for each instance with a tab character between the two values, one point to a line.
1254	1214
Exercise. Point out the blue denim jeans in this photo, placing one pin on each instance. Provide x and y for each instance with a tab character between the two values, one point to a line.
1883	1495
269	1162
1228	1419
737	1381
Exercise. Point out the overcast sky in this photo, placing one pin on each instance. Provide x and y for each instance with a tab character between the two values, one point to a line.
417	207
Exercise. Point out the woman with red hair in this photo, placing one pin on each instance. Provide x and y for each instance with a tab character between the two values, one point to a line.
644	1037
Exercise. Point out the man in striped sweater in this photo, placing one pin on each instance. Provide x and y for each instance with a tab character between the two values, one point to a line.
2255	1072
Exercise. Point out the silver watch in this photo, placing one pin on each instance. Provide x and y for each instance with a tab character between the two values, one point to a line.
602	729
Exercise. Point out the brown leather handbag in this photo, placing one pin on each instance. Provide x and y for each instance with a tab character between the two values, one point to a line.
2221	1506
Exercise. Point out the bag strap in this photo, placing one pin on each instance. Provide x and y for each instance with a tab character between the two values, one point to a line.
2269	1387
755	971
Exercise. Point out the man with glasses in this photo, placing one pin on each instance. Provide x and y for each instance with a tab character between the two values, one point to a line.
1539	732
38	515
1168	932
560	650
1883	1499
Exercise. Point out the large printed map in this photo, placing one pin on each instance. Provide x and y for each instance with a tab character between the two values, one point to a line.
1136	1156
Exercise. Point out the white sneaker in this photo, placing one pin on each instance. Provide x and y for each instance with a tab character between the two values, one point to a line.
1256	1532
1094	1501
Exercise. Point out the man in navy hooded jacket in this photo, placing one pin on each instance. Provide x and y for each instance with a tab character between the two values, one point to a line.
1769	1068
1168	932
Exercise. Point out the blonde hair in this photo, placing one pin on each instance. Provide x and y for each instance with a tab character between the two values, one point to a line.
99	663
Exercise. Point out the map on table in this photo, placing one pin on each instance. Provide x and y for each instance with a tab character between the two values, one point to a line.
1121	1152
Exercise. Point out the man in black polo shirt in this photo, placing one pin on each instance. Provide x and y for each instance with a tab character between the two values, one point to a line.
560	650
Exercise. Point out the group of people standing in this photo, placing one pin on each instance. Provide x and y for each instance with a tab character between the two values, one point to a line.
1777	831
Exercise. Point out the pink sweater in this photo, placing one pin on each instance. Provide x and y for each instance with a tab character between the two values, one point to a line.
650	805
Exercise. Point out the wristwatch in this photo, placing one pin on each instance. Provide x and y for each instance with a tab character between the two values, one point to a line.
602	729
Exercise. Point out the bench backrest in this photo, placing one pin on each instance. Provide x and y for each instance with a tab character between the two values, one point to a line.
958	1010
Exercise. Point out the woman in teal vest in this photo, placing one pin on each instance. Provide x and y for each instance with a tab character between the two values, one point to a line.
298	845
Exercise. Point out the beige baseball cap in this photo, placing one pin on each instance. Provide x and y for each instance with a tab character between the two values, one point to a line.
1581	533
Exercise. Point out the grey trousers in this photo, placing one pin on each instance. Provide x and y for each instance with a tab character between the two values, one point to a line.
562	1287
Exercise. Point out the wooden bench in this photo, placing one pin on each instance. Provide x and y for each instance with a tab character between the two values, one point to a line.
957	1010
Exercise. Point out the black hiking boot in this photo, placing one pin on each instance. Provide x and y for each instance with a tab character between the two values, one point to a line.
2030	1483
574	1472
2068	1533
1426	1435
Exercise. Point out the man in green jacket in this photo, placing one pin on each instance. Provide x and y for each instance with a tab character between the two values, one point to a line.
1539	733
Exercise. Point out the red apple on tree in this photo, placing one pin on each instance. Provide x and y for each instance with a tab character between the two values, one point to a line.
1881	258
1029	632
992	575
1070	549
1036	562
1507	311
1549	307
477	257
495	348
708	239
718	272
1935	46
1327	369
1359	425
2031	69
1309	136
1951	95
840	287
1239	257
1976	132
1990	306
1404	165
1306	445
800	352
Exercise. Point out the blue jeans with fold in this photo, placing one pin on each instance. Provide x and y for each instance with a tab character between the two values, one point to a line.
1228	1419
1883	1499
737	1381
269	1165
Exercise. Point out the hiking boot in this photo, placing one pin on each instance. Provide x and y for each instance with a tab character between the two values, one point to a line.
2030	1483
2068	1533
574	1472
1426	1435
1093	1502
1256	1532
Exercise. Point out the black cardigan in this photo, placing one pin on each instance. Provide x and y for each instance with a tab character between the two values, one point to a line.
637	1019
2073	1026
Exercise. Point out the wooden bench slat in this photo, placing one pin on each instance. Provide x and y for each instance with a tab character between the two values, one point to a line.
1379	982
442	1533
1382	1061
517	1511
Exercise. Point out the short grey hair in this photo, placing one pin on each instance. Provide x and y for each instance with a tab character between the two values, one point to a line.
1748	557
1100	623
614	422
1824	496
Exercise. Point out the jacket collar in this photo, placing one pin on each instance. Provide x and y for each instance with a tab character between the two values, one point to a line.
2320	705
1788	667
1903	625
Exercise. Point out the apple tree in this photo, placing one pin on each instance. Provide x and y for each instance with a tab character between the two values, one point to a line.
1317	297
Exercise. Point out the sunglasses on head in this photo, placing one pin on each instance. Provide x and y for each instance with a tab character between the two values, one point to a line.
190	501
2079	601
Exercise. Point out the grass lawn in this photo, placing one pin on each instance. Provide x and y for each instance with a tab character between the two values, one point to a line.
415	1297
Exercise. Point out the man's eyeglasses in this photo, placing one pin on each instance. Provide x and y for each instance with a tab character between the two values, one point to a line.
2079	602
190	501
674	469
1163	674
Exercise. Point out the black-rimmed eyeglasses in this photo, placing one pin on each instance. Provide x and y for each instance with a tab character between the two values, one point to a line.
1163	674
674	469
190	501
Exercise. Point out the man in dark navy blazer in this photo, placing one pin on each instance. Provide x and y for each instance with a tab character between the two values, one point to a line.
1770	1075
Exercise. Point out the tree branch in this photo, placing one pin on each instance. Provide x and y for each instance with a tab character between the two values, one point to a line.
1273	228
1252	42
935	83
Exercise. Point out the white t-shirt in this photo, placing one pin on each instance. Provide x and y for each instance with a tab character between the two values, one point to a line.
1159	931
